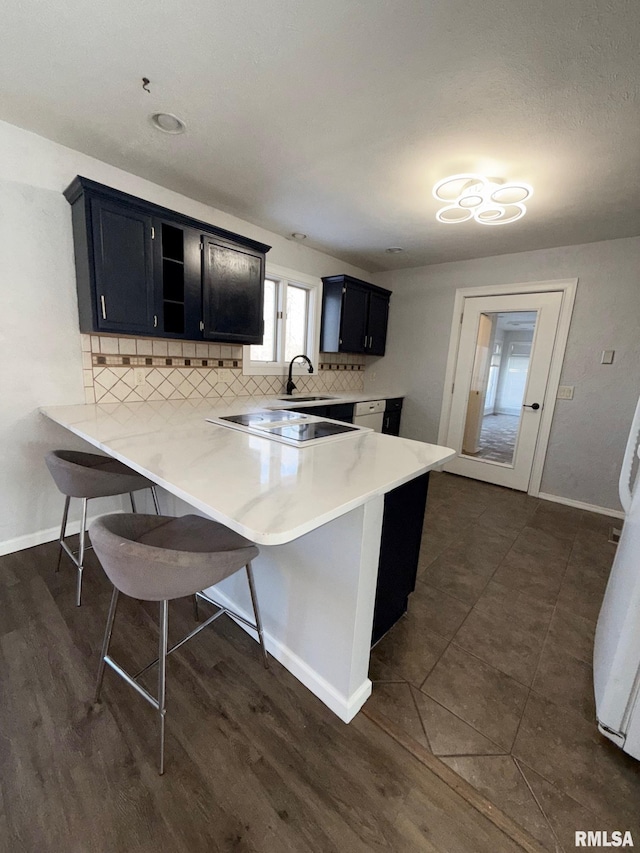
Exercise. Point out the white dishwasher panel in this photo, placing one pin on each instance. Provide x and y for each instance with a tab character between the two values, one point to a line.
370	414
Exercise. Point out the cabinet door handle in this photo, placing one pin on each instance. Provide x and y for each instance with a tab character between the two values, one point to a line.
155	321
104	309
365	341
201	326
370	341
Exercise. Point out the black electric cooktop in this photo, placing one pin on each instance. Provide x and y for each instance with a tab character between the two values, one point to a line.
259	419
307	432
287	427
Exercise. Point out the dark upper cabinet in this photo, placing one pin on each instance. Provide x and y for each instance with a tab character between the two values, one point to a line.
121	299
146	270
232	292
377	319
177	280
353	325
354	316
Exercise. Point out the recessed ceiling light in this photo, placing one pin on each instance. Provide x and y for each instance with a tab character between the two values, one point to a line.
393	250
168	123
487	200
298	235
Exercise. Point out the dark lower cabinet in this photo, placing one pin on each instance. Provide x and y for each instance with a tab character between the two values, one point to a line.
339	412
318	411
392	416
391	423
404	509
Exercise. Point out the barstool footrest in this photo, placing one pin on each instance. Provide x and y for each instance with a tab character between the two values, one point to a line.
226	610
181	642
73	555
132	682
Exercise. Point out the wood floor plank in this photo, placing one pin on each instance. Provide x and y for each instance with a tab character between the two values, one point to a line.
457	783
254	761
68	781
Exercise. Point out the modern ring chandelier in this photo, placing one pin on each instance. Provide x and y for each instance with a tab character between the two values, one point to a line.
486	200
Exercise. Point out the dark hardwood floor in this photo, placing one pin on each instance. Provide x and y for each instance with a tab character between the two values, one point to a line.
489	674
254	761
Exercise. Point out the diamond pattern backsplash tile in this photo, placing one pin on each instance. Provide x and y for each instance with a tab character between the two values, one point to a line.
181	370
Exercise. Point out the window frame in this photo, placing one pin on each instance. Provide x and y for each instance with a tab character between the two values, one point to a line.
313	285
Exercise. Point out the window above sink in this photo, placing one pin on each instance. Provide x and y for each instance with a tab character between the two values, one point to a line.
292	307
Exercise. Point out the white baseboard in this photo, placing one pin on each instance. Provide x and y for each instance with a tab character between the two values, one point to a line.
30	540
603	510
345	707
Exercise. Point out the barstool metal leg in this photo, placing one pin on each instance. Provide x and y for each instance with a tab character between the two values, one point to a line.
154	495
106	642
196	612
133	503
256	610
63	528
162	674
83	528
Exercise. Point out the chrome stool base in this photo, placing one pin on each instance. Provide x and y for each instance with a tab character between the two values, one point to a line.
159	703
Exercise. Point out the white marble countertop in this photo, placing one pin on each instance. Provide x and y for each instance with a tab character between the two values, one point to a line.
269	492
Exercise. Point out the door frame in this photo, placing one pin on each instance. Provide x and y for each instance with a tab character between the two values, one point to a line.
568	288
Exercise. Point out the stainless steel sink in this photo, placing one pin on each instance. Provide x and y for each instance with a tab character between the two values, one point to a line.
305	399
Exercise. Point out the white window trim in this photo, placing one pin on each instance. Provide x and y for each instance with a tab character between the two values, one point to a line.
279	368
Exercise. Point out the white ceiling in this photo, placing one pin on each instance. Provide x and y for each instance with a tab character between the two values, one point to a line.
336	117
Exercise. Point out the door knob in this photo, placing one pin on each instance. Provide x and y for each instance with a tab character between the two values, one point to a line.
534	406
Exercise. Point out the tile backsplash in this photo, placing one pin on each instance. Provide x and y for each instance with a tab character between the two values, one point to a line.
113	368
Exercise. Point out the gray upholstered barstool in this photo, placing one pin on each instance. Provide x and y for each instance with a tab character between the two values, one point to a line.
156	558
86	476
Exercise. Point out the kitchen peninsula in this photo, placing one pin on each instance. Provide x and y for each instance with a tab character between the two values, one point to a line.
316	513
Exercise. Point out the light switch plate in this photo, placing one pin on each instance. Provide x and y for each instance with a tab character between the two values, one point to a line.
607	356
139	376
565	392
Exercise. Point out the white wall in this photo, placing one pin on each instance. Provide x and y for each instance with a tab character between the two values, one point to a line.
39	338
589	432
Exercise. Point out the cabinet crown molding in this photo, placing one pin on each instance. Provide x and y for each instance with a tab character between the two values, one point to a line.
80	185
344	278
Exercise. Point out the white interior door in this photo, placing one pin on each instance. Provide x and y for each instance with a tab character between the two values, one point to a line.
504	357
